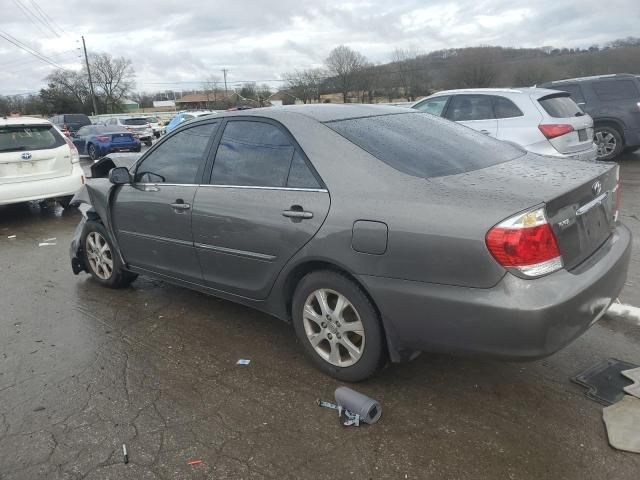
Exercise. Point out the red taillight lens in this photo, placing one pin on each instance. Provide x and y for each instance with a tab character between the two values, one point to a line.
103	138
527	243
553	130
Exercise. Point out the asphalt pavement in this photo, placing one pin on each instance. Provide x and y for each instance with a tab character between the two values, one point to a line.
84	369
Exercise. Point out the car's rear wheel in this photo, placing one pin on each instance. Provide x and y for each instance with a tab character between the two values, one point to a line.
101	259
338	326
148	143
92	151
609	142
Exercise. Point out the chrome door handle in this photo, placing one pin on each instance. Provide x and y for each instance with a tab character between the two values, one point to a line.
297	214
486	132
180	206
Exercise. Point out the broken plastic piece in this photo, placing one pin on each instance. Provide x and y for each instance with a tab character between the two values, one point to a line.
194	462
634	376
243	361
11	236
623	424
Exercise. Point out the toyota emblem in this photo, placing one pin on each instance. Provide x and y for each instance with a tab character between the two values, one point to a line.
596	188
26	156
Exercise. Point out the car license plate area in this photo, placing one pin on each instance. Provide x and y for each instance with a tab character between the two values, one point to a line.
582	135
595	227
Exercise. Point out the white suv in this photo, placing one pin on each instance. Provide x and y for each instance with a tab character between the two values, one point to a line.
37	162
546	122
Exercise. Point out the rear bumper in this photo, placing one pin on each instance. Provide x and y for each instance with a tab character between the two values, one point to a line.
111	148
42	189
545	148
516	319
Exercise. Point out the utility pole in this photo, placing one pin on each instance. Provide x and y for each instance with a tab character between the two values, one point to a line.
93	95
224	72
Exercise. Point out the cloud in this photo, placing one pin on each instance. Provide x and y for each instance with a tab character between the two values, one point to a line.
171	42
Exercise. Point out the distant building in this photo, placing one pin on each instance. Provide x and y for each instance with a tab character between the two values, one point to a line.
129	105
282	97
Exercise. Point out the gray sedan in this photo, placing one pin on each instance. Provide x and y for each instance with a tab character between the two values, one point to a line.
378	232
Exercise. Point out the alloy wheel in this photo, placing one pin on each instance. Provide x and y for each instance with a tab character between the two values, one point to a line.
99	255
606	143
333	327
92	152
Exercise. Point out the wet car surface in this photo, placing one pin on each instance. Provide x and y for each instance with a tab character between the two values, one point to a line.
84	369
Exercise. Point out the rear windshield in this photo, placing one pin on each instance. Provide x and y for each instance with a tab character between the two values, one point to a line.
32	137
77	118
134	121
152	120
110	129
560	106
423	145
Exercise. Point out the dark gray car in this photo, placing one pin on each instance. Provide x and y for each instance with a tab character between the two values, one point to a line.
378	232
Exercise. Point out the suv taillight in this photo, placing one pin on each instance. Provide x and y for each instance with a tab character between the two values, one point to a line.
75	156
103	138
553	130
525	243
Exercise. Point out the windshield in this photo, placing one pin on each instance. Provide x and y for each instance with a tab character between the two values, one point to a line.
32	137
134	121
560	106
423	145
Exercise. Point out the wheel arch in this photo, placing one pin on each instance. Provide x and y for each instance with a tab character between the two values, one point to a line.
611	122
295	274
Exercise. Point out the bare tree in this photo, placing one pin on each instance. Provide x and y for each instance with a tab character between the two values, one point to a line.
411	73
305	84
531	73
344	64
210	89
70	84
475	67
112	77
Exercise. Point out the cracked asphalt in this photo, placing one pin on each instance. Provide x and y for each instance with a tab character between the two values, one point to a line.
85	369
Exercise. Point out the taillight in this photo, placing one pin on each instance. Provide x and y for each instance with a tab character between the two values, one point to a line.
75	156
525	243
135	135
553	130
103	138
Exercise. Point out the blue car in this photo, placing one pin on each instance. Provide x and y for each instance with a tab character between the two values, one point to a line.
100	140
181	117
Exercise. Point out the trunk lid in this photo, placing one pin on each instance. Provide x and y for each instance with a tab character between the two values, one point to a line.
559	108
32	152
121	138
581	219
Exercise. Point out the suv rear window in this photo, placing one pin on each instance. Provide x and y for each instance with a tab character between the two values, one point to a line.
134	121
608	90
423	145
560	106
29	137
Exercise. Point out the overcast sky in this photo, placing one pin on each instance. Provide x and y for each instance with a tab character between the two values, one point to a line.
184	41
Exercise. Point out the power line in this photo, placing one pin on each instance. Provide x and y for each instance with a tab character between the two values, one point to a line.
11	39
50	21
31	16
25	62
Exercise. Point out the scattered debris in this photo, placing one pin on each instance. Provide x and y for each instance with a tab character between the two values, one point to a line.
126	455
194	462
623	424
48	241
634	376
38	409
11	236
353	407
243	361
604	381
619	310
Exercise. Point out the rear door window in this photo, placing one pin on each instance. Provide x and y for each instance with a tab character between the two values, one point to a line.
470	107
609	90
300	175
423	145
560	106
32	137
572	89
177	159
134	121
505	108
434	106
252	153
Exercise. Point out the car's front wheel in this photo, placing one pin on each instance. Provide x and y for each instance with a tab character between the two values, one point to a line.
100	257
338	326
609	142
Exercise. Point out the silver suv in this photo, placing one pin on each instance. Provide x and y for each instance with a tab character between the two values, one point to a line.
546	122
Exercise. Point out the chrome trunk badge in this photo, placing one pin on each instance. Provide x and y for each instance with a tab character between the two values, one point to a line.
26	156
596	188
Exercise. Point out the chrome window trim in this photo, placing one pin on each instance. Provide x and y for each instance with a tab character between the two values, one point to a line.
247	187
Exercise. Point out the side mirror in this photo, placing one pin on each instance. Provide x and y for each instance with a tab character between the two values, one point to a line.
119	176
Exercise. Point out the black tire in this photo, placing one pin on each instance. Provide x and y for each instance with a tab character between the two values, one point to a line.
374	353
65	201
92	152
606	137
119	277
148	143
137	149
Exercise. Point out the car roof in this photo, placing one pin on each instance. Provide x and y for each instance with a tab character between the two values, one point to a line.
534	92
324	112
593	77
23	121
